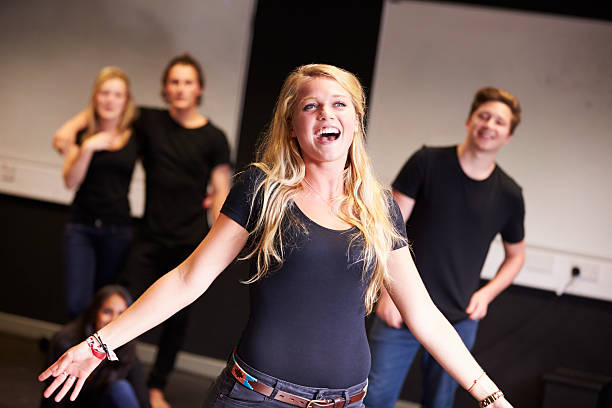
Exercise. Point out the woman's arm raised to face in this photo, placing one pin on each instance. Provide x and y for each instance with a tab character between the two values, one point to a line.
78	157
432	329
65	136
166	296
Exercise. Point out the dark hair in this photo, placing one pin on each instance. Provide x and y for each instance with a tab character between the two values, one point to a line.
489	93
84	326
89	316
183	59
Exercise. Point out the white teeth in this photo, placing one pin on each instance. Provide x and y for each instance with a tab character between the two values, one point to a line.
328	131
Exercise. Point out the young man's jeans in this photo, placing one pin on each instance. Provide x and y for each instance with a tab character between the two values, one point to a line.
148	261
392	353
93	256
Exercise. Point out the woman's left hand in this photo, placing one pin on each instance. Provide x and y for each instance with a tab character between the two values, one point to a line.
74	366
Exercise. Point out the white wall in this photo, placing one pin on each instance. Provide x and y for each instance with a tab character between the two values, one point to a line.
433	57
51	52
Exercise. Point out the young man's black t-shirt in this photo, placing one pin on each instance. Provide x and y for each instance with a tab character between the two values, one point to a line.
453	222
178	162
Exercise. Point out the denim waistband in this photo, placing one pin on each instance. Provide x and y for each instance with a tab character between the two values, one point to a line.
300	390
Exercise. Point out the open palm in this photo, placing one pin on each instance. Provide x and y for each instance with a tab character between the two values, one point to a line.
74	366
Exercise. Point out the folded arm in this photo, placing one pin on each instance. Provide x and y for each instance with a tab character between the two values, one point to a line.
78	157
65	136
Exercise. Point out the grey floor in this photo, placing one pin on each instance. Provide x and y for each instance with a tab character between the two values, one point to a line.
21	360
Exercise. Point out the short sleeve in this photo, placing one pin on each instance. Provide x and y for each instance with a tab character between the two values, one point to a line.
398	222
238	204
220	153
514	229
411	176
79	137
143	116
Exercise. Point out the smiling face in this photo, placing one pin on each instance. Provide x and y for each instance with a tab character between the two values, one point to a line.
111	98
488	127
182	88
111	308
324	121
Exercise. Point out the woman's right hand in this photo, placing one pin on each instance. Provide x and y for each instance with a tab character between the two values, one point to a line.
62	141
99	141
74	365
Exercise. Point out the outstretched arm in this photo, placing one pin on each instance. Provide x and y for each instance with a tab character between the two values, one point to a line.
65	136
509	268
166	296
432	329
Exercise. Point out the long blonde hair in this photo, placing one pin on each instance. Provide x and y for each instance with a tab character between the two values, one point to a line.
365	204
129	110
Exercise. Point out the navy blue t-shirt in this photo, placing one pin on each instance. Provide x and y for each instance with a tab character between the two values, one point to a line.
306	322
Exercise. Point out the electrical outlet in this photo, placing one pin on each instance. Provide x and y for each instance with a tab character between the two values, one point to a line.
588	272
7	173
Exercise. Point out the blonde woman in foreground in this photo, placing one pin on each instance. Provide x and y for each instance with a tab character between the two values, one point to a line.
323	238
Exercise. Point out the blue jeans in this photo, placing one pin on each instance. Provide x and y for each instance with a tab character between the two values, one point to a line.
226	392
393	351
93	256
119	394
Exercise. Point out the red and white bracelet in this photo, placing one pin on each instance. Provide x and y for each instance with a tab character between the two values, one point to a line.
99	349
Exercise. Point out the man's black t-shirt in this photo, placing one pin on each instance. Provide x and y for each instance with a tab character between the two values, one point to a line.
103	194
306	322
453	222
178	162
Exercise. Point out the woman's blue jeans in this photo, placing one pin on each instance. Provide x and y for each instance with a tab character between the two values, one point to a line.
93	256
393	351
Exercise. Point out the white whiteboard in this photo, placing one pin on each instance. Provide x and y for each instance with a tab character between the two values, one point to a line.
51	52
433	57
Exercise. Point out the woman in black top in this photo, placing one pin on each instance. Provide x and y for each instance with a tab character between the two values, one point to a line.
323	237
119	384
100	165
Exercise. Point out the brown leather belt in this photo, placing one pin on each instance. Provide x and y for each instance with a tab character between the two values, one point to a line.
250	382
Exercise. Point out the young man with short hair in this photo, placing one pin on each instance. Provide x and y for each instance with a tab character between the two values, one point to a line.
454	200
